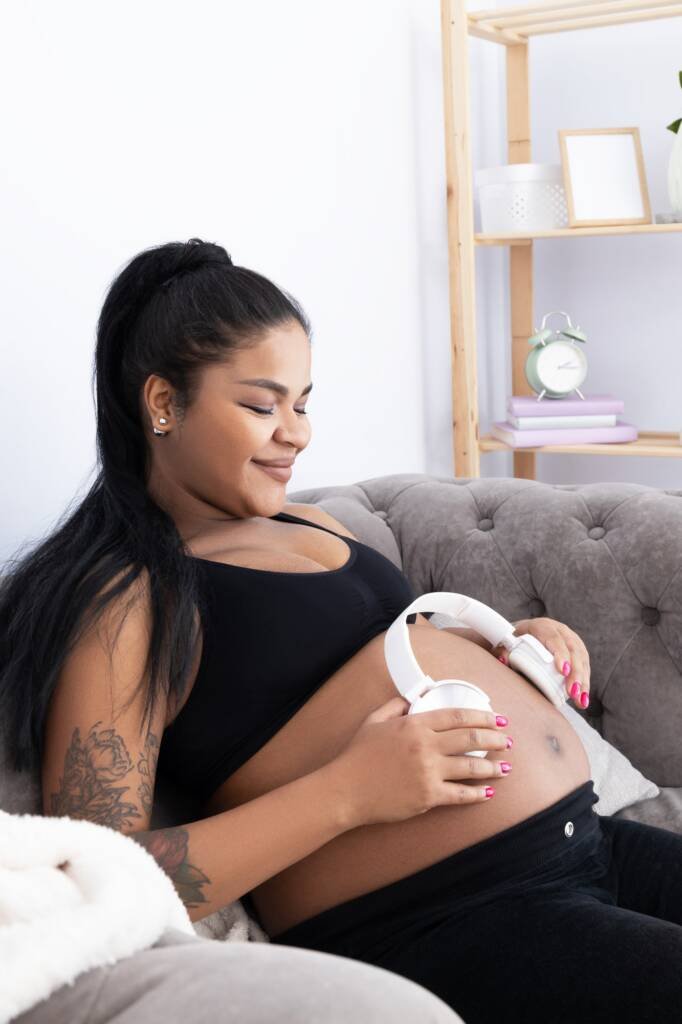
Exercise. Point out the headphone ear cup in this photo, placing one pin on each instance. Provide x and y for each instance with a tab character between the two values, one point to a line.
453	693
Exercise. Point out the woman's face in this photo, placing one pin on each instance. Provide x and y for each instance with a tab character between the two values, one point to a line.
205	470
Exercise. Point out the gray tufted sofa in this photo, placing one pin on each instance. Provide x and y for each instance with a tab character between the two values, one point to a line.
603	558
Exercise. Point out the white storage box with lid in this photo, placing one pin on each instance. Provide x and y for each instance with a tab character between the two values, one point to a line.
521	197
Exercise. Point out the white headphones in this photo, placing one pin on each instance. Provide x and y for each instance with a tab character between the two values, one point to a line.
526	654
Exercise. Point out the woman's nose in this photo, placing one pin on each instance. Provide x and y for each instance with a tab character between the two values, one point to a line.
294	430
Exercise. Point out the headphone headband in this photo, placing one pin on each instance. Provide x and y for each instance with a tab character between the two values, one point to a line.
464	611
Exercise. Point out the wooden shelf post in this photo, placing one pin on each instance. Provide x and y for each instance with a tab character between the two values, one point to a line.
460	213
520	256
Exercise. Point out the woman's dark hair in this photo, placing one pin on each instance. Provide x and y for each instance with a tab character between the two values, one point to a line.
172	310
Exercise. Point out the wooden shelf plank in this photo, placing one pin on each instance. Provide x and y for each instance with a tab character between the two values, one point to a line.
528	13
521	238
649	442
601	21
555	8
518	24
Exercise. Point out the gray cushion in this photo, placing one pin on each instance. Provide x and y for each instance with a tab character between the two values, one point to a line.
181	979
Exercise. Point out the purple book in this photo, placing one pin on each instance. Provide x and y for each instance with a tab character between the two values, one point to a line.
527	405
564	435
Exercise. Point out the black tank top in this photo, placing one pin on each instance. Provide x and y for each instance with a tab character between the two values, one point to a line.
270	640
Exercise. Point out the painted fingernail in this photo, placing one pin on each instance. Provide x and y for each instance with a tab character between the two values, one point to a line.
489	791
585	699
502	659
566	668
501	720
575	689
510	742
505	767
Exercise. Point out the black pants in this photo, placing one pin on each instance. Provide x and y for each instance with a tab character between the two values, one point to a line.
568	917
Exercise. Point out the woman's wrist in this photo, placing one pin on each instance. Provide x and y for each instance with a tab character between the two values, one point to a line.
338	793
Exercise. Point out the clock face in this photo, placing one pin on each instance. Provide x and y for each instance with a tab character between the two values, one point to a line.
561	366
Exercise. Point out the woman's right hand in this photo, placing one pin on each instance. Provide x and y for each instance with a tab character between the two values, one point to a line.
397	766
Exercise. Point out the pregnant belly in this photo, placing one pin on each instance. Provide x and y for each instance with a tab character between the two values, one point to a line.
548	761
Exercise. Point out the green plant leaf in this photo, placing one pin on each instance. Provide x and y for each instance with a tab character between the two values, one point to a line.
680	79
675	126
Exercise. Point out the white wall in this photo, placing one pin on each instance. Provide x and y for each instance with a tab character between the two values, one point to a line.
307	138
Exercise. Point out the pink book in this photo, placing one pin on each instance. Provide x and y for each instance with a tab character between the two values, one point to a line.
527	405
564	435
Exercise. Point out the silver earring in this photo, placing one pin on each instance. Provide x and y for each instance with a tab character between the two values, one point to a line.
161	433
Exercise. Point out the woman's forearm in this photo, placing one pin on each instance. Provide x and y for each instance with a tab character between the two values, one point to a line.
216	860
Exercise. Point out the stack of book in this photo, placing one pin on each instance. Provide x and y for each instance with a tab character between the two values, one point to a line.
592	420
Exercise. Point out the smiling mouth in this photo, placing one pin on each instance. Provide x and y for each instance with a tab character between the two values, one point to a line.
282	473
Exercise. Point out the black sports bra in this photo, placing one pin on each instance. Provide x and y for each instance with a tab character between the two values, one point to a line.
270	640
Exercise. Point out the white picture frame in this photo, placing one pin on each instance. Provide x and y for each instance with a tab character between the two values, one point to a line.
604	178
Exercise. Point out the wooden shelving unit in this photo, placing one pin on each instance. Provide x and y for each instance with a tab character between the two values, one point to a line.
513	27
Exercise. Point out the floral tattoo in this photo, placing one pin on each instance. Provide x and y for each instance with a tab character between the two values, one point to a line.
88	789
168	847
146	766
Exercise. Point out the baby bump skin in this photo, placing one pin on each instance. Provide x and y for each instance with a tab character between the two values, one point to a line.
548	758
548	761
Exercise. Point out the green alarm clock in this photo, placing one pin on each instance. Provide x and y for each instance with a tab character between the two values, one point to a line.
556	365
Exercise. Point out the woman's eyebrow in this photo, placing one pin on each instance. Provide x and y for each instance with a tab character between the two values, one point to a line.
272	385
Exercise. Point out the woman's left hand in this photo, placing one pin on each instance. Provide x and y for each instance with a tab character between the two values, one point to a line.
570	654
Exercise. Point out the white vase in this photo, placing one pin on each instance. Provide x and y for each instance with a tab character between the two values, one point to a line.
675	174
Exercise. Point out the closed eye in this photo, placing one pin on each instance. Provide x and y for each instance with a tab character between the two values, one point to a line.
269	412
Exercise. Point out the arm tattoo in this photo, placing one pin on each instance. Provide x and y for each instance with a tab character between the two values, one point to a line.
168	847
87	788
146	766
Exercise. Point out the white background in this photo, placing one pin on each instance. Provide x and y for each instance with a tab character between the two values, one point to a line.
307	138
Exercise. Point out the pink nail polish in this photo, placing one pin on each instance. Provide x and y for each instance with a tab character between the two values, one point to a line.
566	668
575	689
585	699
502	659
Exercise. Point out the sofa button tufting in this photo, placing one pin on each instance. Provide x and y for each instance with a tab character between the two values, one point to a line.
536	607
650	616
381	514
485	524
596	532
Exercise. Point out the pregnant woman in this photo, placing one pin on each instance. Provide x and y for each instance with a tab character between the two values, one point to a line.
186	622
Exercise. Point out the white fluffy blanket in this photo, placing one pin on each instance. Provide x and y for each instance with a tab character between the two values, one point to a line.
73	896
